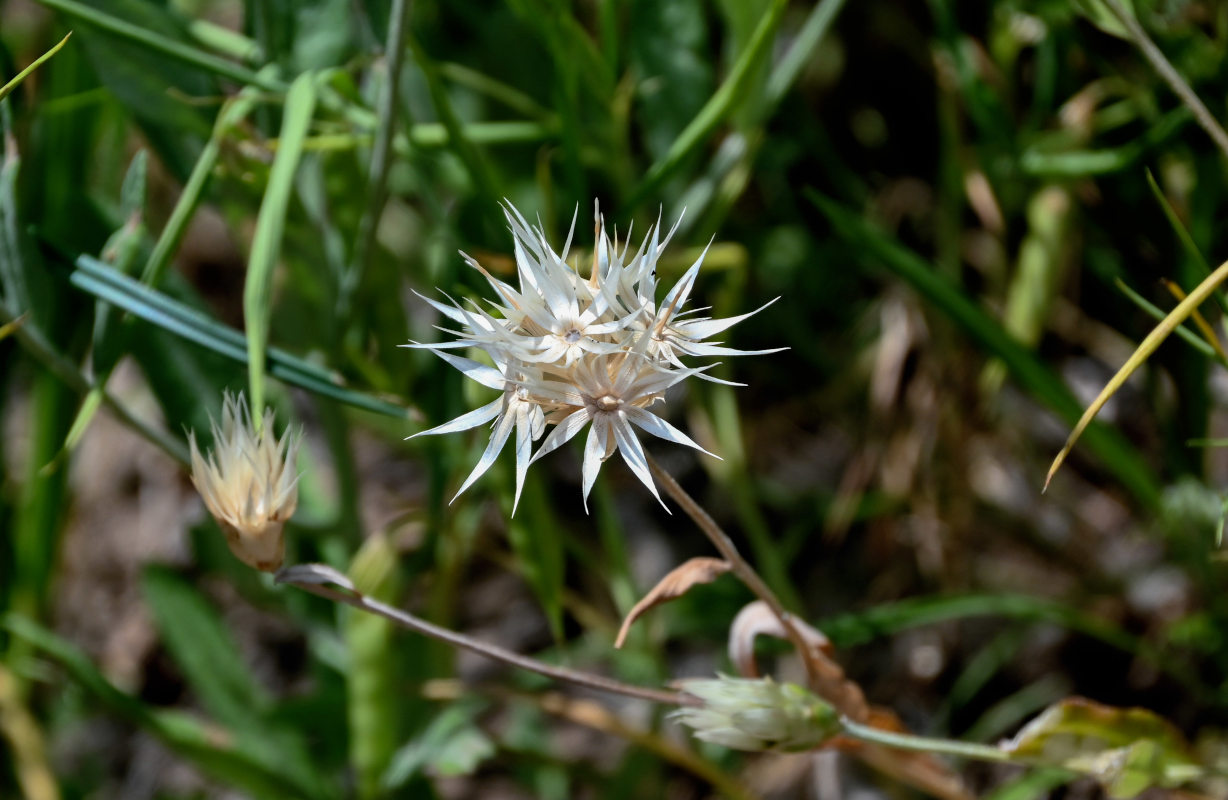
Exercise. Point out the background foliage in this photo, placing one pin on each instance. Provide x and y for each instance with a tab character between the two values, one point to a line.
948	199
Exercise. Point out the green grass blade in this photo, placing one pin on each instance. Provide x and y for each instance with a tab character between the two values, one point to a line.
1117	455
377	174
232	113
800	52
165	45
270	227
849	630
153	306
716	110
7	88
66	371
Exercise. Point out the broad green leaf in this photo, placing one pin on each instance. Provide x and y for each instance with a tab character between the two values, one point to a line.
209	657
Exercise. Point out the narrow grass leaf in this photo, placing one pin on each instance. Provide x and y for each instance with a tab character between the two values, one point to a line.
7	88
270	226
164	311
717	109
1200	322
849	630
1141	354
233	112
163	44
1187	336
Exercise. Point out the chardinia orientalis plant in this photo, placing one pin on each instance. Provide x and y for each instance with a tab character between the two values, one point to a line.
570	351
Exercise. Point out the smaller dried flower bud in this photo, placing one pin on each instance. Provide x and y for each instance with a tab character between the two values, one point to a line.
758	714
248	482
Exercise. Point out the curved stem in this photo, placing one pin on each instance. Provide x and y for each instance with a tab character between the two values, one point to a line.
741	567
922	744
598	682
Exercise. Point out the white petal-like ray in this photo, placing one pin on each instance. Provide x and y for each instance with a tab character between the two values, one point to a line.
662	430
562	433
466	421
498	438
633	454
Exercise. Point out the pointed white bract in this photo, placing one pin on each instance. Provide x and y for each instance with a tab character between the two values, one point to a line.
574	352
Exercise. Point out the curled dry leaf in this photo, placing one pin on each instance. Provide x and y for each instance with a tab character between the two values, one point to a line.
756	619
921	770
675	584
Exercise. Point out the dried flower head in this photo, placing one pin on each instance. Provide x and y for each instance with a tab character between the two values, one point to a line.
248	482
757	714
575	351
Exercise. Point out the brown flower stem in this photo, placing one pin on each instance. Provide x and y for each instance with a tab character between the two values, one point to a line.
464	642
741	567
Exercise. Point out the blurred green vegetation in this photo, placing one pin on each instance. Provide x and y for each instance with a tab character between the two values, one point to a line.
207	194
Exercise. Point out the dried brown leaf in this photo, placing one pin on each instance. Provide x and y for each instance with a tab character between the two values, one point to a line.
677	583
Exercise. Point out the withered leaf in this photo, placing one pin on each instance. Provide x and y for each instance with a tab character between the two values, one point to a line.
675	584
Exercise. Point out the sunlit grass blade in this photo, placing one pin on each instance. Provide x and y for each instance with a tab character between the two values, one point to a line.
1141	353
986	332
7	88
270	227
182	320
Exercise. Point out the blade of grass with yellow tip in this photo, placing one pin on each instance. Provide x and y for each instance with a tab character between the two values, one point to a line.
1144	350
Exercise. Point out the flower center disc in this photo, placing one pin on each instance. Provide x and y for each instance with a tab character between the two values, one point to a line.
608	402
572	336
